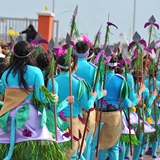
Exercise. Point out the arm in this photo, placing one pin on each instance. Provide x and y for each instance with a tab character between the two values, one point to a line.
25	31
86	100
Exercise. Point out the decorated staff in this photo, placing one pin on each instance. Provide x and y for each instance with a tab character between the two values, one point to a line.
136	46
152	71
100	55
97	37
94	87
51	74
158	48
73	24
152	28
129	124
68	61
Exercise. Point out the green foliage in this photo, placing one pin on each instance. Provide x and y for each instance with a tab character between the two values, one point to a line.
47	94
41	150
51	67
126	139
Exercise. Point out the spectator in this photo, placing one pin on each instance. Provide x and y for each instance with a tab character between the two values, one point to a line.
30	32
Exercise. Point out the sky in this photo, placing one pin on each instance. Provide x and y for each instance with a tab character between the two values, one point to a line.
91	14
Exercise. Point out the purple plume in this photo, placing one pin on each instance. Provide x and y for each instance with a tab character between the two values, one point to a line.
131	45
111	24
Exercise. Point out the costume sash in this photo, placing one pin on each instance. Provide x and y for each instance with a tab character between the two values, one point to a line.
13	97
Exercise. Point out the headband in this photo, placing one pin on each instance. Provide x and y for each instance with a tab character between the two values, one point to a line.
22	56
81	55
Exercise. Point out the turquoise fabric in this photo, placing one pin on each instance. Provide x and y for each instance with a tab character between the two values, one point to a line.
113	86
113	153
33	76
86	101
137	149
12	139
87	71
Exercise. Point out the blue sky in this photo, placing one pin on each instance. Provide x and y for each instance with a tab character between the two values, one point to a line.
91	14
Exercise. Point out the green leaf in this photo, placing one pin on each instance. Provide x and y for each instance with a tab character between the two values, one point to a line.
80	90
22	116
4	121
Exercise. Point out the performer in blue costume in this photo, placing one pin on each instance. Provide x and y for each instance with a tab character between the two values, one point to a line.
124	141
111	122
88	71
148	100
83	97
46	63
155	82
23	133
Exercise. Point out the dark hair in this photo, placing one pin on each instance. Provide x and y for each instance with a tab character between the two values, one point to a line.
114	59
91	52
97	50
3	66
43	62
19	65
31	27
118	70
82	47
61	61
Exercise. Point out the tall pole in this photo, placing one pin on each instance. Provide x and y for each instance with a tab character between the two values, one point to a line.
134	16
53	6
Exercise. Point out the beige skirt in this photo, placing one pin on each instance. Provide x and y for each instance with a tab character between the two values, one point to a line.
91	121
77	126
111	130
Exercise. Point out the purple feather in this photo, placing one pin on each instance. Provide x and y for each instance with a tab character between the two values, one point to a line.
156	25
107	59
111	24
42	41
35	42
99	35
135	54
127	60
147	49
157	42
131	45
73	45
155	50
143	42
121	62
147	24
150	23
9	44
98	56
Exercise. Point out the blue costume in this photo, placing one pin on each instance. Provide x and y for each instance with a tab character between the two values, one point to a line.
157	85
87	71
134	100
82	98
148	102
114	86
25	123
